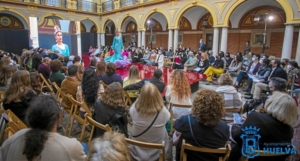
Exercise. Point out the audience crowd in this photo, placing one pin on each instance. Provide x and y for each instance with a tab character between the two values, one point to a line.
268	101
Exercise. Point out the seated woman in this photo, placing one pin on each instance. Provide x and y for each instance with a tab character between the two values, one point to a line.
133	78
110	109
136	56
41	141
203	64
35	82
275	126
251	69
232	99
19	94
228	59
101	68
5	76
77	62
263	72
293	68
110	75
112	146
55	75
236	64
178	91
149	117
88	91
217	68
204	127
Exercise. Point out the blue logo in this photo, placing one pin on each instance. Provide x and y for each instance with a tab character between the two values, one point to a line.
250	148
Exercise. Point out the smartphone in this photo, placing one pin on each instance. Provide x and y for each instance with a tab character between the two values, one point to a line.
237	118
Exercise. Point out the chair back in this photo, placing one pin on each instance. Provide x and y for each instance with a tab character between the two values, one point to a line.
2	95
9	132
89	120
11	117
103	84
76	112
58	92
185	146
45	83
3	125
172	115
150	146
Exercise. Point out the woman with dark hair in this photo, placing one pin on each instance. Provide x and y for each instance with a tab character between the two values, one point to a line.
19	94
236	64
36	61
4	62
110	75
208	128
110	109
101	69
88	91
6	75
35	82
41	141
66	60
293	68
55	75
228	59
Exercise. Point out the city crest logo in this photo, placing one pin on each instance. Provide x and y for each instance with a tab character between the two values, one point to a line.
250	148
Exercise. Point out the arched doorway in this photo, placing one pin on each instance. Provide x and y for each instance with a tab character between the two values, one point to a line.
13	27
88	35
110	29
129	32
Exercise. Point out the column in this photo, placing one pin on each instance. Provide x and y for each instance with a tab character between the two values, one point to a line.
99	39
297	59
143	39
287	42
175	39
224	39
216	41
170	39
139	43
79	45
102	42
120	34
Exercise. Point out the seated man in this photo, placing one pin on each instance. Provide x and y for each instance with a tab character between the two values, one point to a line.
69	85
152	58
156	80
191	63
44	68
277	71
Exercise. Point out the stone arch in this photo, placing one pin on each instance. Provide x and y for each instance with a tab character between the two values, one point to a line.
200	4
97	26
18	15
105	23
121	27
142	25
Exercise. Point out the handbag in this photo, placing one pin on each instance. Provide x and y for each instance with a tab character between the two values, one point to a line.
191	129
147	128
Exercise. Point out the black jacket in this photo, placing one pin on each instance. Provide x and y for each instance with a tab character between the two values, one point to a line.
219	63
204	64
159	84
116	118
278	72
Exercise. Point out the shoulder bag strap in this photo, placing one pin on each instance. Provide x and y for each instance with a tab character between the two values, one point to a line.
192	130
147	128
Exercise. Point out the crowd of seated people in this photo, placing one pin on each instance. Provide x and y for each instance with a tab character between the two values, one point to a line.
206	124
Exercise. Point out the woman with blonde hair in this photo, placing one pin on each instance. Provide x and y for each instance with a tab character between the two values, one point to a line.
178	91
110	109
133	78
149	117
6	75
19	94
111	146
275	125
232	99
203	64
204	127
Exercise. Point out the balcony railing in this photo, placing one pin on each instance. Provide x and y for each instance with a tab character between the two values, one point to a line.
125	3
107	6
87	6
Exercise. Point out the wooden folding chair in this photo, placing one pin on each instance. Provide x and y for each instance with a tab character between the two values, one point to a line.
103	84
226	151
171	112
3	125
2	95
9	132
45	83
75	115
66	109
18	124
150	146
89	120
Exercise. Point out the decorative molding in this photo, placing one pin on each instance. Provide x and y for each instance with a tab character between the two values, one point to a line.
32	7
72	12
172	13
221	5
298	4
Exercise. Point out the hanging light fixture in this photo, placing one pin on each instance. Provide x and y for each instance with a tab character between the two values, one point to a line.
205	21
